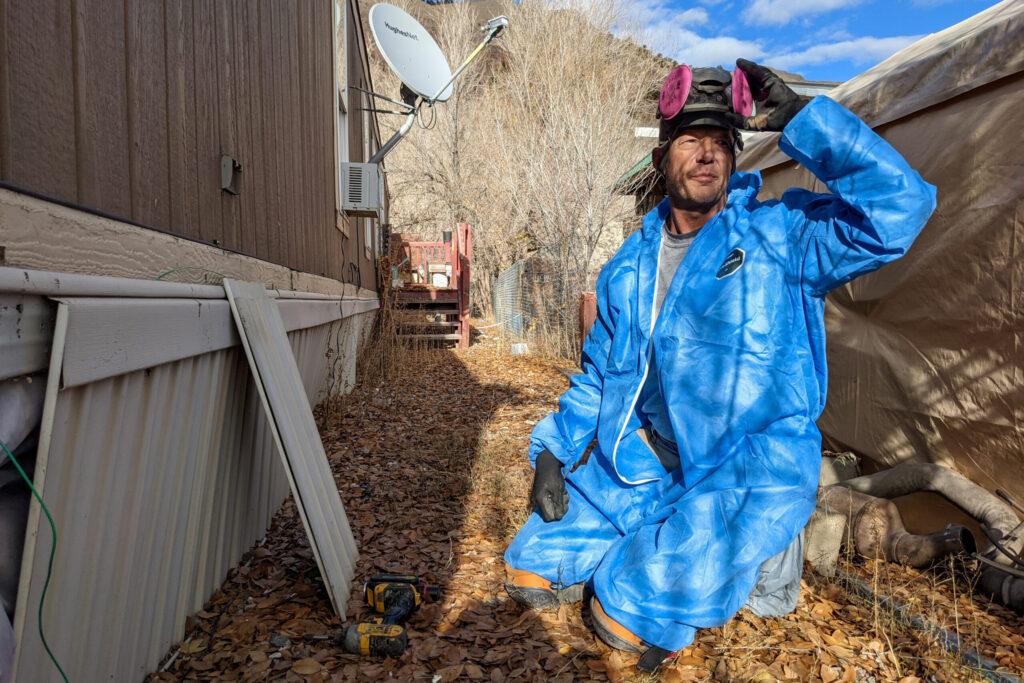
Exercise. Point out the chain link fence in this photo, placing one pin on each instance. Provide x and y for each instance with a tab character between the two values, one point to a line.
533	302
507	300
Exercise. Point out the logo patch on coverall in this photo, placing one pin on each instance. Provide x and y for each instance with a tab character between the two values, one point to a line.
731	263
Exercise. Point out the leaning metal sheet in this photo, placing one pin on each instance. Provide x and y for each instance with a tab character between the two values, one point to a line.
287	408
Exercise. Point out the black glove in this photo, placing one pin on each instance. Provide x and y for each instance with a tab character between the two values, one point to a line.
776	102
548	495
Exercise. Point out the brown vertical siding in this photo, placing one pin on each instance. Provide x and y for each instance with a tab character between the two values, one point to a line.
183	161
101	103
208	146
324	175
313	214
271	107
126	106
292	132
227	106
250	128
148	112
39	96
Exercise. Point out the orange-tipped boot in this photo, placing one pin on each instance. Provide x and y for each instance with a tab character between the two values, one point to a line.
618	636
536	592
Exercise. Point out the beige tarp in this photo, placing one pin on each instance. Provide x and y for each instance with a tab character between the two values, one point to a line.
925	356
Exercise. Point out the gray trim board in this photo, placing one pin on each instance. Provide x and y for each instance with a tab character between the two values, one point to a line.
114	336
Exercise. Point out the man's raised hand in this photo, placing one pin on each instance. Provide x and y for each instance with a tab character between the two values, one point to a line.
776	102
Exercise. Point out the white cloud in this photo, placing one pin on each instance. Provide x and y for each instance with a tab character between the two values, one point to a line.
669	31
780	12
696	16
863	50
687	47
652	12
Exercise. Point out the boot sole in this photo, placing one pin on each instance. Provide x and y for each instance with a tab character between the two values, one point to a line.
543	599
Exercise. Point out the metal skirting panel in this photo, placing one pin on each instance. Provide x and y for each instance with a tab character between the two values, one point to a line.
343	343
282	392
158	480
26	326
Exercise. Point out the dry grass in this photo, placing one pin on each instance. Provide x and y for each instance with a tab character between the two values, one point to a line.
382	354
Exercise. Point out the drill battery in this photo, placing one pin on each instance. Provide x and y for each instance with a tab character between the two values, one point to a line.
374	640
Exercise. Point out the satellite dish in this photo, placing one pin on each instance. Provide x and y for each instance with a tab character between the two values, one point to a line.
419	63
411	53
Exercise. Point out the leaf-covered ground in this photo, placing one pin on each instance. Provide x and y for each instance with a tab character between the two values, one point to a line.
432	471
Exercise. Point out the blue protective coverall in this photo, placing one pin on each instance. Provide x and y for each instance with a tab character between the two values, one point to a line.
740	348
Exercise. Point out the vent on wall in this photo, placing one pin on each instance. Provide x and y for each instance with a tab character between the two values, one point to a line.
360	187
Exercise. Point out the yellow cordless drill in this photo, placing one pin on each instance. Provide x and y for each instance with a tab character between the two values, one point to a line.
395	597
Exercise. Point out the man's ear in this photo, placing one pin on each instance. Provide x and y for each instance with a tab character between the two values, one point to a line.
657	157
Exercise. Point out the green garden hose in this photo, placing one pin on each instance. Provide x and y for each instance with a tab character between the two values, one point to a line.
49	565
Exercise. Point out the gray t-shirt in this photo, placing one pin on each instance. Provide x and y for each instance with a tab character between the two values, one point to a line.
651	402
673	249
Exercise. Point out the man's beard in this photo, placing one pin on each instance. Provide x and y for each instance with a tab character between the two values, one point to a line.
688	203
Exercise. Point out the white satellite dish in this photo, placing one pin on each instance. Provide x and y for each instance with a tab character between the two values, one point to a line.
417	60
411	52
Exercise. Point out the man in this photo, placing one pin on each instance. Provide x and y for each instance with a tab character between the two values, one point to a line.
705	371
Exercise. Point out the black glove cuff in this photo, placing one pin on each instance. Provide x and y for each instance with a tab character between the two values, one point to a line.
547	461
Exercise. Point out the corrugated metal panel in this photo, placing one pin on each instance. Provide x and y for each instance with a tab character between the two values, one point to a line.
334	345
281	389
158	480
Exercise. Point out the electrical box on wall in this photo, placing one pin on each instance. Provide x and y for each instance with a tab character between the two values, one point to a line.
360	189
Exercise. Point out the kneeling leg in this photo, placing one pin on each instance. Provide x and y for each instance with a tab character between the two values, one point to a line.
547	563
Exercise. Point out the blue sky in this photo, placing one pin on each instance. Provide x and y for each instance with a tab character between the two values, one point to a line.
829	40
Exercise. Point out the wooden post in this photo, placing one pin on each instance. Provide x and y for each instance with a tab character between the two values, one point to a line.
465	257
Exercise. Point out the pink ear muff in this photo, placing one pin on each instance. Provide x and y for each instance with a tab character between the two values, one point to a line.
675	91
742	100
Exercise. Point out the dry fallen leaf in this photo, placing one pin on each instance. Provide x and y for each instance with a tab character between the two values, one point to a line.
307	667
449	673
679	675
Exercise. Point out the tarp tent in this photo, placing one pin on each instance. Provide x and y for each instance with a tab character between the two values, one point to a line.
926	356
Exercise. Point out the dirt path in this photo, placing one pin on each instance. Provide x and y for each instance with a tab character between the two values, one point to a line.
434	478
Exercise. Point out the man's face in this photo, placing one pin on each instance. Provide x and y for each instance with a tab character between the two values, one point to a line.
697	167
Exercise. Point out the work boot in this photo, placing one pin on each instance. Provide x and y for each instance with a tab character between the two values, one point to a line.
618	636
535	592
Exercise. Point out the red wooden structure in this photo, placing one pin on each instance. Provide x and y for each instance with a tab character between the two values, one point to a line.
433	281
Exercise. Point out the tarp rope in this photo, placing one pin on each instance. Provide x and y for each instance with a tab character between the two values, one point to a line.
49	565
